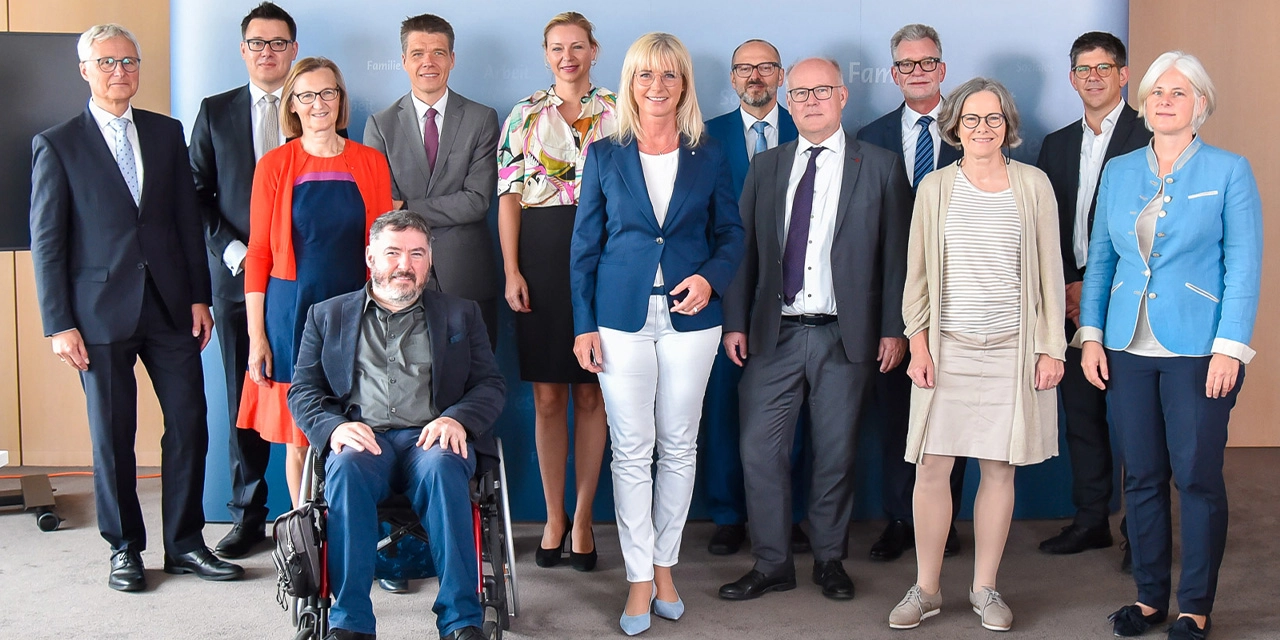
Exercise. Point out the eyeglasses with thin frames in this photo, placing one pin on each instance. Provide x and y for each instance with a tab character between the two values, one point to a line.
907	67
108	64
258	44
646	78
801	94
1104	70
328	95
971	120
766	69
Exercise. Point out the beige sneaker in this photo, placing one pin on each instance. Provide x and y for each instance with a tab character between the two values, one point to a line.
915	606
996	615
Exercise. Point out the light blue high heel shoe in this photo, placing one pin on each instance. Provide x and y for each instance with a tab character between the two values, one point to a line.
668	610
633	625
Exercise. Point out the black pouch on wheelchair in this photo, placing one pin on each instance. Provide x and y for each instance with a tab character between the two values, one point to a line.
297	553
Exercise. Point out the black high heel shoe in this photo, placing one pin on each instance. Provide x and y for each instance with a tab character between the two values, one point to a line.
551	557
584	561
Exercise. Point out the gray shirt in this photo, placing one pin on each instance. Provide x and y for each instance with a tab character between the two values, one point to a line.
392	377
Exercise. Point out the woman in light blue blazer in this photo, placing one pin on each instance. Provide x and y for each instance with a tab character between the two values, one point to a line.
656	241
1167	312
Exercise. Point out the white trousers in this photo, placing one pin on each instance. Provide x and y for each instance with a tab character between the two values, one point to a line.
653	384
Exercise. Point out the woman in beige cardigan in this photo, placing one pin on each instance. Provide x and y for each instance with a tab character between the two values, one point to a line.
983	308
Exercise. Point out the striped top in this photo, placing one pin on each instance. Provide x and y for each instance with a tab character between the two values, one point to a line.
981	254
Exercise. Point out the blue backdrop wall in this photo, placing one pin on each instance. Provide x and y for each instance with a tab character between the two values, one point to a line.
499	60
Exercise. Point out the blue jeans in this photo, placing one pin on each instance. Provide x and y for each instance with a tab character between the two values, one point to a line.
437	483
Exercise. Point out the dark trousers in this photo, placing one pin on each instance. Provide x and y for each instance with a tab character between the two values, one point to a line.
1088	443
437	482
247	451
172	359
1168	429
808	365
893	398
722	461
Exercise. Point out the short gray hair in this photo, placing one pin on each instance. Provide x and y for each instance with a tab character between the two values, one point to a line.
1190	67
913	32
949	117
400	220
100	32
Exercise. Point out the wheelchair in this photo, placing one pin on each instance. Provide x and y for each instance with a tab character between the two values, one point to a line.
403	552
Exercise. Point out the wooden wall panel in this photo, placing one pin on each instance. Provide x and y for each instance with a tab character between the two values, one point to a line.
147	19
55	426
1229	38
4	26
10	438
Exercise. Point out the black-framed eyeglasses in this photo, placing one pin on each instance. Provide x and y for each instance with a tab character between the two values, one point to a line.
1104	70
801	94
328	95
258	44
766	69
108	64
646	78
971	120
907	67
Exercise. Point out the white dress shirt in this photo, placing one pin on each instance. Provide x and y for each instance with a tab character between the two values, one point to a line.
817	294
421	108
233	255
911	134
770	132
1093	148
104	118
660	180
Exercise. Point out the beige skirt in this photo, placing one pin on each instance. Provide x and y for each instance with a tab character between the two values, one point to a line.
976	379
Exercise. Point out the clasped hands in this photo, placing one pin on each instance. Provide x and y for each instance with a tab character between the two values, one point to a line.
359	436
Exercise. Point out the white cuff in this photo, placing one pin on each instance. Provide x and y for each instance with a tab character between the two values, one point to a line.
1086	334
1238	350
233	256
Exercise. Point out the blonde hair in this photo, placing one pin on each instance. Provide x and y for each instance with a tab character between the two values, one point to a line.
570	19
1189	66
290	123
656	51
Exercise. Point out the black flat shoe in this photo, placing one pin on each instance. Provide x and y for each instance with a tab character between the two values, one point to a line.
727	539
239	542
584	561
551	557
1075	538
952	547
835	583
126	571
343	634
799	541
204	564
1129	621
393	585
1185	628
897	537
465	633
756	584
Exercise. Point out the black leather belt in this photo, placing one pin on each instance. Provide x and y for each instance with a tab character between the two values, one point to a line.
811	319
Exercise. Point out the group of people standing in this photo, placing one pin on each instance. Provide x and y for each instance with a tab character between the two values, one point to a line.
912	266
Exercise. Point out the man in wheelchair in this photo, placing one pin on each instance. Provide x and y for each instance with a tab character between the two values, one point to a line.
374	367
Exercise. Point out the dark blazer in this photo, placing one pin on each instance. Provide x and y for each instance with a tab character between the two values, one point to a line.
93	247
618	245
886	132
868	252
454	198
729	131
222	162
465	382
1060	160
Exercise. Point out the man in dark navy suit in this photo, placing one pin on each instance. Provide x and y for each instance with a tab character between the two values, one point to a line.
759	123
121	274
1073	158
911	131
233	130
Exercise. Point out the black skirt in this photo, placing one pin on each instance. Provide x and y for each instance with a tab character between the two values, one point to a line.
544	336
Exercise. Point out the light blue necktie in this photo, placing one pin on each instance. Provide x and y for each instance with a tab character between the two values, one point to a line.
924	151
761	143
124	157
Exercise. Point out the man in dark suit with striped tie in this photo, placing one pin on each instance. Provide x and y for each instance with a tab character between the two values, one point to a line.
911	131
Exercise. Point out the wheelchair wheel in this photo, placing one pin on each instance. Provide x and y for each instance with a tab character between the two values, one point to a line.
492	627
508	565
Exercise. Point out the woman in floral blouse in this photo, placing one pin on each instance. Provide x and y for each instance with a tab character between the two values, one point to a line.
540	164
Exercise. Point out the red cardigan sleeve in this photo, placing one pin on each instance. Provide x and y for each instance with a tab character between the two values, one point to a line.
263	213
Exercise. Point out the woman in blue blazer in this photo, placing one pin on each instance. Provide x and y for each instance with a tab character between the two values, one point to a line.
1167	312
656	241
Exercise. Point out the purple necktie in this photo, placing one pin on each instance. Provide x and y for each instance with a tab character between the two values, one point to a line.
431	138
798	234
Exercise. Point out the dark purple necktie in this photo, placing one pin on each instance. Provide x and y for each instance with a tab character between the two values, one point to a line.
798	233
431	138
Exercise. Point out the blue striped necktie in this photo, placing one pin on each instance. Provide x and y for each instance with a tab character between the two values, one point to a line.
924	151
124	158
762	144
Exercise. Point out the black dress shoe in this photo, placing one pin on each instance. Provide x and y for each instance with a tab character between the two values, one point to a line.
465	633
1129	621
204	564
343	634
239	542
551	557
953	543
756	584
126	571
835	583
1075	538
394	585
584	561
1186	629
727	539
799	541
898	536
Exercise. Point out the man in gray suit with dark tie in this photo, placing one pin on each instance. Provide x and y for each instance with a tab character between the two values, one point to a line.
441	147
815	311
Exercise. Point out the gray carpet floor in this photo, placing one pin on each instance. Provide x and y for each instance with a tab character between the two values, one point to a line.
52	585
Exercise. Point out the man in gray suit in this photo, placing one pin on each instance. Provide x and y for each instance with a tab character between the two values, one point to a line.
443	166
816	305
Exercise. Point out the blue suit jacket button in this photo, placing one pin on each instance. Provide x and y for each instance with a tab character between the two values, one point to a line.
659	240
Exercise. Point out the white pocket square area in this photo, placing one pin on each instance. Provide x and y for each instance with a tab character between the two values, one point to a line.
1202	194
